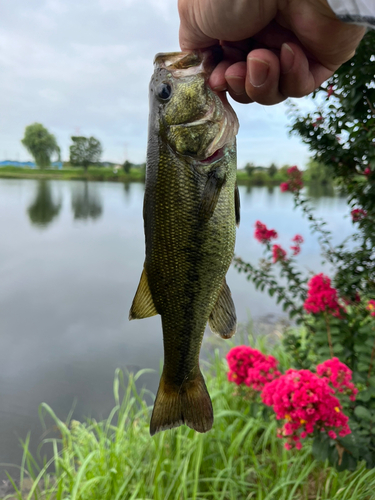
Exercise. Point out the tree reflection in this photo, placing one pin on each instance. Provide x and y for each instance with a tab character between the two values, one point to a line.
43	210
86	203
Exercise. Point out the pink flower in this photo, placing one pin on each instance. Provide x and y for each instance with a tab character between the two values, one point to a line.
321	297
251	367
294	182
358	214
339	376
332	434
305	402
278	253
297	247
367	171
371	307
262	234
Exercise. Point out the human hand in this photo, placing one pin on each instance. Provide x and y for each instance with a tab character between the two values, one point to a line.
273	49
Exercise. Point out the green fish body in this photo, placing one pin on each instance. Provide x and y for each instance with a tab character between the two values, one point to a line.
191	207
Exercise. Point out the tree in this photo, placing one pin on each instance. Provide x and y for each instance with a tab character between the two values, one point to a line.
249	167
84	151
272	169
40	144
126	166
341	135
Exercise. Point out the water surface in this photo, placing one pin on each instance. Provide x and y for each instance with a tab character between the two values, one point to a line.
71	254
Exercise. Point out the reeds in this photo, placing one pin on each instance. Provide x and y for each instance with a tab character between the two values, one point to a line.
240	458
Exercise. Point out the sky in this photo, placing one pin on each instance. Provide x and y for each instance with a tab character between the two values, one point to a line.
82	67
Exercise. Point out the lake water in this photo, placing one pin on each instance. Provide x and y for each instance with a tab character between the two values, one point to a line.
71	254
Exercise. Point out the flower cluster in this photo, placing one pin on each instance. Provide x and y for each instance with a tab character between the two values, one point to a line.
358	214
262	234
321	297
297	240
371	307
306	402
251	367
278	253
294	182
338	375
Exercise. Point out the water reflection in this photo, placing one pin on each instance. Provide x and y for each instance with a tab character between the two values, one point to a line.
86	202
319	190
43	209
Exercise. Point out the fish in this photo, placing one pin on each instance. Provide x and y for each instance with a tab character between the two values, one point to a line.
191	208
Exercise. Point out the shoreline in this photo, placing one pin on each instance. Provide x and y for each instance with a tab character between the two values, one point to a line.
107	175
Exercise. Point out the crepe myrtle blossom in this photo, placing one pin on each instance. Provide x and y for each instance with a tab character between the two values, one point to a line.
306	403
251	367
262	234
367	171
371	307
358	214
322	297
294	182
297	240
339	376
278	253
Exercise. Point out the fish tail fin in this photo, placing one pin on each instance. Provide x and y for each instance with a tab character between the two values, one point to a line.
188	404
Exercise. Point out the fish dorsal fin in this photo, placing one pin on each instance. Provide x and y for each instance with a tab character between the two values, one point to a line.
210	195
223	317
143	304
237	205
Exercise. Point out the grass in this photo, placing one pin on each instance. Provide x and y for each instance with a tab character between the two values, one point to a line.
92	174
240	458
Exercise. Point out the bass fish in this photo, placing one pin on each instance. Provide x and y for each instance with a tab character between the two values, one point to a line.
191	207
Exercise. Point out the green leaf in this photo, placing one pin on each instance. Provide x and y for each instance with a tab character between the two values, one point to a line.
362	413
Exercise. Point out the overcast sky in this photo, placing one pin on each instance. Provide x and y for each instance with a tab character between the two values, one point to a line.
82	67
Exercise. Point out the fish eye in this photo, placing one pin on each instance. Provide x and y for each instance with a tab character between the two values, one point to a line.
164	91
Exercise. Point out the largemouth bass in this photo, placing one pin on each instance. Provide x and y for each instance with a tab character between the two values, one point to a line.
191	207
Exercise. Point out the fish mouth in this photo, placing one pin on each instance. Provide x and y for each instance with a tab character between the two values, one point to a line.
189	63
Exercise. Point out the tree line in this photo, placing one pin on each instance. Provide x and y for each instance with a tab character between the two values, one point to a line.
84	151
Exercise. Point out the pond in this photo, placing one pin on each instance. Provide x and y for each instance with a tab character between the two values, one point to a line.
71	254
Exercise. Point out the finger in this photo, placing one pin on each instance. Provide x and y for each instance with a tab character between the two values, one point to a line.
190	34
299	75
263	77
235	77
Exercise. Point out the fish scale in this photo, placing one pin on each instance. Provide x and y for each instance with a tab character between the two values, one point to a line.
190	225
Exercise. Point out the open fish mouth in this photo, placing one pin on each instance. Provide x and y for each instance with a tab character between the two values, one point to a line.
189	63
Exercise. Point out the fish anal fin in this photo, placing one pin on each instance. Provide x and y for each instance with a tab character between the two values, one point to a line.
237	205
188	404
211	195
223	319
143	304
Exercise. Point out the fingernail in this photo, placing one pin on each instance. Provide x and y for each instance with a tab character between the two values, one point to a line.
287	59
219	88
236	84
258	71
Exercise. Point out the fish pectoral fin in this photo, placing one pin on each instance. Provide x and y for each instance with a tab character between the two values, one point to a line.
143	304
237	205
188	404
223	319
210	195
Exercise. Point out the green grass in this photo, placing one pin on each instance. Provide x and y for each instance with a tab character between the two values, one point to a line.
240	458
92	174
